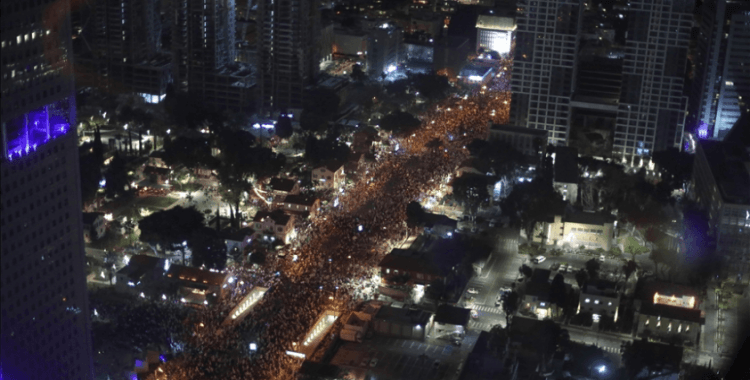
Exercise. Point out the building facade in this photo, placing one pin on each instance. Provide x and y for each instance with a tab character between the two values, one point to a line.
384	45
721	178
45	312
592	230
495	33
721	75
651	112
530	142
120	49
544	64
287	52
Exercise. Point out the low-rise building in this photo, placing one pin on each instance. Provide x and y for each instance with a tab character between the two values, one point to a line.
670	324
275	225
196	284
473	74
528	141
237	240
450	321
439	225
495	33
140	272
566	178
536	296
93	226
405	323
592	230
329	175
278	188
668	312
721	179
600	298
301	205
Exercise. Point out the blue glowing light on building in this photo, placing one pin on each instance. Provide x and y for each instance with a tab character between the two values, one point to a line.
703	130
26	133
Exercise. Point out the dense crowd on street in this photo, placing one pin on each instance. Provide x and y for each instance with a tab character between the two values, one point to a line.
337	251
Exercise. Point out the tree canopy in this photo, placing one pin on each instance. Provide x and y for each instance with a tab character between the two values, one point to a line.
172	226
190	152
116	177
208	249
415	214
329	148
531	202
471	190
500	155
400	123
321	108
284	127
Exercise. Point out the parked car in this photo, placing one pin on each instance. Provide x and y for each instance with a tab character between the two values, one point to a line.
474	314
473	291
601	258
555	266
505	289
436	364
373	362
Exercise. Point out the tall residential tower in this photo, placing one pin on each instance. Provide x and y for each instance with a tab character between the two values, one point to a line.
722	67
544	65
651	113
287	55
44	300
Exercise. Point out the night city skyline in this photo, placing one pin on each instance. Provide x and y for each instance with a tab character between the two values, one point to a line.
369	189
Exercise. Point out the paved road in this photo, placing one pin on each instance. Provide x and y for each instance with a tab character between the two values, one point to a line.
501	270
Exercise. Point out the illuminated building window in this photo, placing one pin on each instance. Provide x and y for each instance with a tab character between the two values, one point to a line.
596	302
669	328
647	321
687	328
588	300
679	328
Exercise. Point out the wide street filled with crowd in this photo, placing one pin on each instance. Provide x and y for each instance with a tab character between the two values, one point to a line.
340	248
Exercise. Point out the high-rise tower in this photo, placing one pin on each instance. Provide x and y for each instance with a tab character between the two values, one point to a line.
287	55
651	112
722	72
44	302
544	65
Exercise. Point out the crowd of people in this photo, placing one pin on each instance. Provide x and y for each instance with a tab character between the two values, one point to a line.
340	246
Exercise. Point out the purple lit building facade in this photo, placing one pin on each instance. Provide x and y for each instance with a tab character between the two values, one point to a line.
45	318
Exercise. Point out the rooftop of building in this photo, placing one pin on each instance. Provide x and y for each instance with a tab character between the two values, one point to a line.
403	315
431	220
332	165
299	199
278	217
540	275
239	234
727	164
138	265
496	23
475	70
282	184
600	288
647	291
671	312
566	165
662	355
196	275
518	130
539	290
591	218
452	315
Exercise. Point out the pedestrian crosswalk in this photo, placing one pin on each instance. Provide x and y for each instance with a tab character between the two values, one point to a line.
487	309
480	326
